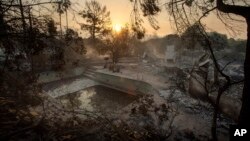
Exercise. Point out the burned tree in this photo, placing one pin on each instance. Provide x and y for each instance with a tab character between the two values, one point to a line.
74	41
117	45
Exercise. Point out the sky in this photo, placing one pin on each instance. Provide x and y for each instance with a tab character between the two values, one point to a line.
120	11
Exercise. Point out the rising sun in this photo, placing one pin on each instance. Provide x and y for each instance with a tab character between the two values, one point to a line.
117	27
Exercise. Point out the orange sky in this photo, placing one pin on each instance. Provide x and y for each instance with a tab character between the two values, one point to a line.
121	10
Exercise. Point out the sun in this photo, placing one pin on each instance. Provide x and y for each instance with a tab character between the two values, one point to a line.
117	27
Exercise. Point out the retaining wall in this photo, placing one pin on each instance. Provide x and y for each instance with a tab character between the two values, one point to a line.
123	84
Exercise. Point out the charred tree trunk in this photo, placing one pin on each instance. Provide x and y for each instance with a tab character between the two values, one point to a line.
93	32
3	34
22	16
245	110
59	10
216	76
31	40
244	12
67	23
60	20
2	26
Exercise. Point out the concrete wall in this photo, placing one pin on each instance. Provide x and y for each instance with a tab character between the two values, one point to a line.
130	86
127	85
56	89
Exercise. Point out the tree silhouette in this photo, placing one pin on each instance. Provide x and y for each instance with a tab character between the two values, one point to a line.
191	36
97	19
51	28
117	44
218	41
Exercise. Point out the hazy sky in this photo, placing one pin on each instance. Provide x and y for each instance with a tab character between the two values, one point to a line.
120	11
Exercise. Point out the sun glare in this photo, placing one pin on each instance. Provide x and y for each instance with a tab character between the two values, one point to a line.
117	27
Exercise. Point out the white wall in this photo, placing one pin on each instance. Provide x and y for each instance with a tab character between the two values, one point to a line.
170	53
